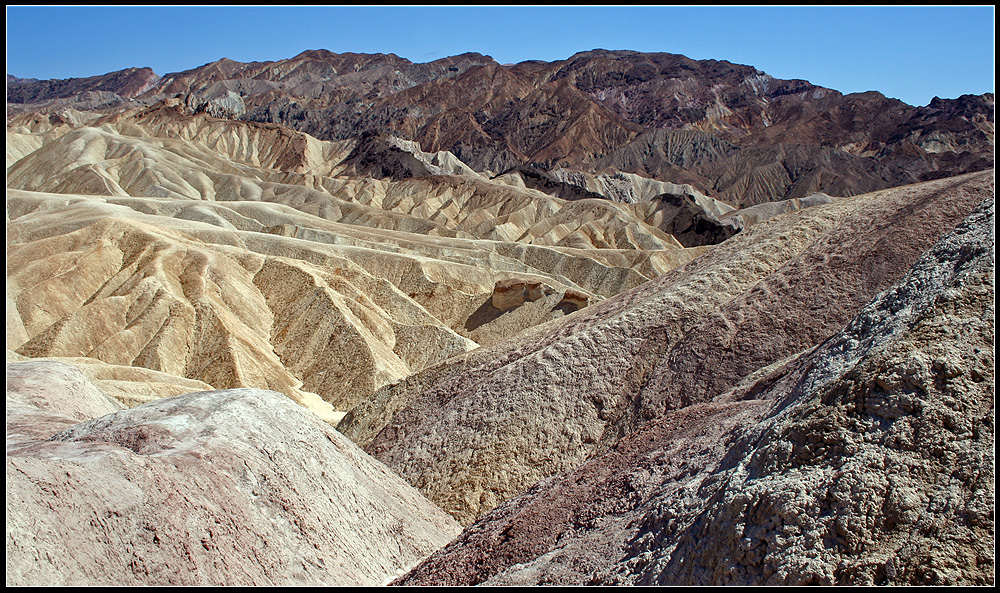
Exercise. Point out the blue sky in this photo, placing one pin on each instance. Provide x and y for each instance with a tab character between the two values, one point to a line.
909	53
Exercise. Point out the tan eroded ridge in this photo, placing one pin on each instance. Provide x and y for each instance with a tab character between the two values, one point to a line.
236	255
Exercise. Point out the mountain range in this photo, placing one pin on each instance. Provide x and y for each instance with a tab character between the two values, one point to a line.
624	318
731	131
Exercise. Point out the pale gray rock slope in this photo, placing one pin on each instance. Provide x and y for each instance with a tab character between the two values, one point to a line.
232	487
868	459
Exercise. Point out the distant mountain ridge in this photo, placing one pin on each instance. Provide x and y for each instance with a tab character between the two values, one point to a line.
127	83
731	130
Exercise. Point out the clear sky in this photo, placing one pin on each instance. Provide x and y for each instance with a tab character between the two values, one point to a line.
909	53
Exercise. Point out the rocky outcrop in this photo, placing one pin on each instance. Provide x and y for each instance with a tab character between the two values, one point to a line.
865	460
377	156
52	388
560	186
238	487
681	211
127	385
748	175
682	217
751	215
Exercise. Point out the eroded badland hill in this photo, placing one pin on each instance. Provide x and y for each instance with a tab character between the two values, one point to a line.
624	318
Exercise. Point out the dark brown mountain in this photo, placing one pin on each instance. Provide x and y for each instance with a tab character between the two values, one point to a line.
730	130
127	83
314	72
752	175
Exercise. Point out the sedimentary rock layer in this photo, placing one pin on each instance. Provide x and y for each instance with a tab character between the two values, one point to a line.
165	151
203	291
234	254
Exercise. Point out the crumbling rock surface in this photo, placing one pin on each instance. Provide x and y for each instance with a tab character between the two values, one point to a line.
679	210
511	293
58	388
127	385
127	84
223	488
866	459
58	391
683	218
751	215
